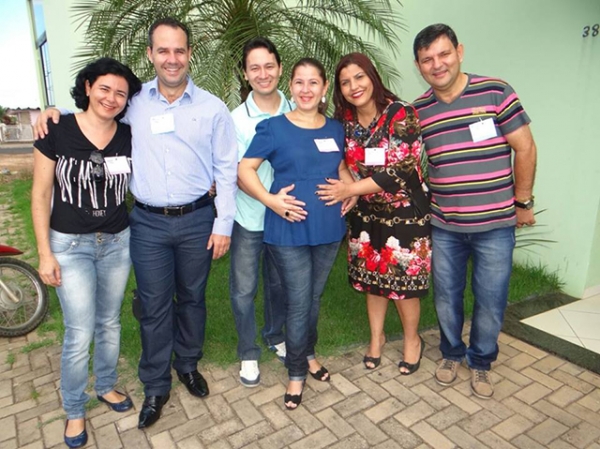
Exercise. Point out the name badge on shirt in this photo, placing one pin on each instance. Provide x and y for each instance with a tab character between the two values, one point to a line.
117	165
374	156
483	130
161	124
327	145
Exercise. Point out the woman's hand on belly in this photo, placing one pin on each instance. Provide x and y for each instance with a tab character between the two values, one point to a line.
333	192
287	206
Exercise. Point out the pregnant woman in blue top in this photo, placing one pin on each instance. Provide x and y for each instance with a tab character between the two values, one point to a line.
304	147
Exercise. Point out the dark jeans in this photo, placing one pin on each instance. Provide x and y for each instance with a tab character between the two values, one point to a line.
171	266
247	247
303	271
492	265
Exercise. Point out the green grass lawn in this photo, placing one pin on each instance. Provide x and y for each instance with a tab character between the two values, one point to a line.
343	320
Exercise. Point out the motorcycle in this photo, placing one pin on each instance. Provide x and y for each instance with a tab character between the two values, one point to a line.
23	296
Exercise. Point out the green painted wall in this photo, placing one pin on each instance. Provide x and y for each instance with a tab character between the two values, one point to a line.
593	280
537	46
64	41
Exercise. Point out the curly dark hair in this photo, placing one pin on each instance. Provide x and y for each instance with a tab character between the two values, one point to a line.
381	94
101	67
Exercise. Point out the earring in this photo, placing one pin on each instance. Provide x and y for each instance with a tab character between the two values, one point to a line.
324	99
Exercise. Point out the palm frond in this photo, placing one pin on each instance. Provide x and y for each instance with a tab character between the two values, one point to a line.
326	30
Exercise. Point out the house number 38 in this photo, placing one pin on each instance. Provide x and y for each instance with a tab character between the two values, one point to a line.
591	30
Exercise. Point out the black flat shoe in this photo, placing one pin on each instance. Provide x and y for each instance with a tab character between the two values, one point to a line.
412	367
151	410
319	375
376	361
195	383
78	440
295	399
123	406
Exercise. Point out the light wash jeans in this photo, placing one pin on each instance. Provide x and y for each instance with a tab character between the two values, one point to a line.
247	247
304	271
94	271
492	253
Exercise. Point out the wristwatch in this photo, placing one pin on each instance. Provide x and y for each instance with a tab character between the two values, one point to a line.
525	204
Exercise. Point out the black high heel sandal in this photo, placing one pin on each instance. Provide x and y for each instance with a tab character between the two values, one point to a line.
376	361
412	367
320	374
295	399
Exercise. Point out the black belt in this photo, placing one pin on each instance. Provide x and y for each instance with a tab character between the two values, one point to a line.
177	211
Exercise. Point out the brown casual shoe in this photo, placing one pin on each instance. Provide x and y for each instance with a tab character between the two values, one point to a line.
446	371
481	383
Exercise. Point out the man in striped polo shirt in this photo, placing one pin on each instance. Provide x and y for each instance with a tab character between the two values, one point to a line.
469	124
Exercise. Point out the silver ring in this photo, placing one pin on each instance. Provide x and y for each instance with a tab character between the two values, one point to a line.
287	213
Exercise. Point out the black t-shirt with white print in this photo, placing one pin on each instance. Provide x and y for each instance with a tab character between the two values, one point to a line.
82	204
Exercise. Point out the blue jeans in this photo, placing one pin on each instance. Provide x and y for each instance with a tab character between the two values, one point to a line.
304	271
171	266
94	270
246	249
492	253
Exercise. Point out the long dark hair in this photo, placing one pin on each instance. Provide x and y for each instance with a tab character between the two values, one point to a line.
320	68
381	94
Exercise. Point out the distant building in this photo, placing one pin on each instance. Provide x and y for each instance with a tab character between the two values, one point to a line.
20	129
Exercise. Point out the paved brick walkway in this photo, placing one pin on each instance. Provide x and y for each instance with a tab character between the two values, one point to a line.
541	401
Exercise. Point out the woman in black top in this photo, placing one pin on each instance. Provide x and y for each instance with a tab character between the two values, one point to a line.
80	178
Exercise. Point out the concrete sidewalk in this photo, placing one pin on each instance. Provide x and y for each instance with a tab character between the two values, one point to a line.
540	401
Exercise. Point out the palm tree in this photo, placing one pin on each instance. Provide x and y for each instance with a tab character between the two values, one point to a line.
324	29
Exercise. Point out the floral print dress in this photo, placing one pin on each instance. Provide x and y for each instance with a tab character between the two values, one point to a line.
389	243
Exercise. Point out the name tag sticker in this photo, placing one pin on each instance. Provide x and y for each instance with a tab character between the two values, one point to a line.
374	156
327	145
483	130
161	124
117	165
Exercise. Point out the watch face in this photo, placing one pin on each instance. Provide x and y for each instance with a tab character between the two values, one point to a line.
527	205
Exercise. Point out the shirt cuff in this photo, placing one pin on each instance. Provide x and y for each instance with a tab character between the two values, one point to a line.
222	227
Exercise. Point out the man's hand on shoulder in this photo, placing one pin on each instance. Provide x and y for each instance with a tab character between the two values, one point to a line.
219	245
40	129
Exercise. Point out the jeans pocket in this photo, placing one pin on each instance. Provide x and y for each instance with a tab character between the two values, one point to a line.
62	243
122	238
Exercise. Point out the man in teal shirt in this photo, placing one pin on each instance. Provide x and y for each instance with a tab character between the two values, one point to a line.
262	69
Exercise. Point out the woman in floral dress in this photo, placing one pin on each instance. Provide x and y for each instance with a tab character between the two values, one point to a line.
389	246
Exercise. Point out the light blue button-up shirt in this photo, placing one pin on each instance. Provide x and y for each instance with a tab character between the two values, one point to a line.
250	212
178	167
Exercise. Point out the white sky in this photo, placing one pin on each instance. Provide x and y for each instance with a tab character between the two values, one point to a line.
18	82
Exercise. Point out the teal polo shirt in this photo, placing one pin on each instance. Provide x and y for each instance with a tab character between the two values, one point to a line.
250	212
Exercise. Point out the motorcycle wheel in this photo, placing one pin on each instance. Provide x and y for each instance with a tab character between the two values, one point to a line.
21	317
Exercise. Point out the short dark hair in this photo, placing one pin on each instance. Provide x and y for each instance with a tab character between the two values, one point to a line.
312	62
98	68
259	42
171	22
381	94
430	34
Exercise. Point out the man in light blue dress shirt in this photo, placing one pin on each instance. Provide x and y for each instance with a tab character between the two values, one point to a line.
262	69
183	140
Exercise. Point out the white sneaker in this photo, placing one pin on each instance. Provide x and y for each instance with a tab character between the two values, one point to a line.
279	351
250	374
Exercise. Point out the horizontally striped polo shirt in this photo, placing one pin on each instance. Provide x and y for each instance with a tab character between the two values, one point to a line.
471	182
